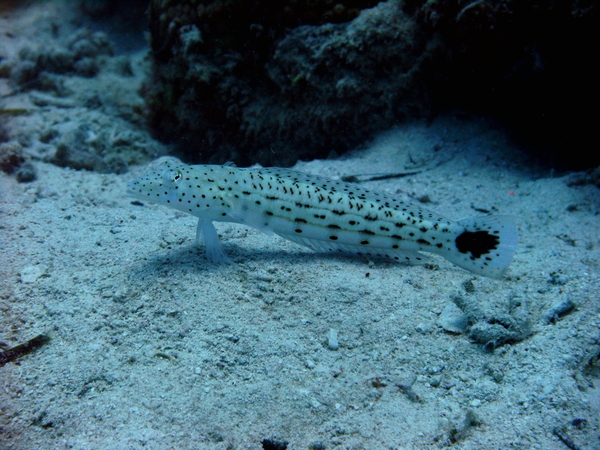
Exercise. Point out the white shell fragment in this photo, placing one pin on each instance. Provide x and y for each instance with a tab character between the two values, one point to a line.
30	274
453	319
332	339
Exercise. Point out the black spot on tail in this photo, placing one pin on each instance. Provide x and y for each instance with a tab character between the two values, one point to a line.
477	243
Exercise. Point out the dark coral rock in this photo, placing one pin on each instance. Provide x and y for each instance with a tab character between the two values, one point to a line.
88	44
83	54
495	325
115	164
74	150
26	173
50	59
497	331
11	157
272	82
24	72
272	444
78	158
98	8
531	64
86	67
592	176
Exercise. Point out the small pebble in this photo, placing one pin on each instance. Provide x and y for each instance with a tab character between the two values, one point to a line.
453	319
423	328
558	279
559	309
332	339
30	274
26	173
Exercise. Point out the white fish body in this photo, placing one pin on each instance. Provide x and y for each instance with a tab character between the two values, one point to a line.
325	215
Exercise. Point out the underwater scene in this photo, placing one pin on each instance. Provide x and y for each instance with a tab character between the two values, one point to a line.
299	224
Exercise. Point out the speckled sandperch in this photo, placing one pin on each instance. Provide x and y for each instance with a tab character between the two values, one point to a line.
326	215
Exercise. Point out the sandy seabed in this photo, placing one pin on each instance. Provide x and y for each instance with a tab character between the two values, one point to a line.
152	347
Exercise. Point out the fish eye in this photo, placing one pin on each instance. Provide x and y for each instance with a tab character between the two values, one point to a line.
177	177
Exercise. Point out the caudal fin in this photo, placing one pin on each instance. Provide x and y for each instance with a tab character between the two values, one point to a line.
486	245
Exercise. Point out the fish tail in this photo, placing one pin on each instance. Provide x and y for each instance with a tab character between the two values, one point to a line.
484	245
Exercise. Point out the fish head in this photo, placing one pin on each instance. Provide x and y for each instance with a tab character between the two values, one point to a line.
161	185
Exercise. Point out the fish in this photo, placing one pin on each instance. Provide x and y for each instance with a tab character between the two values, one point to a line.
326	216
